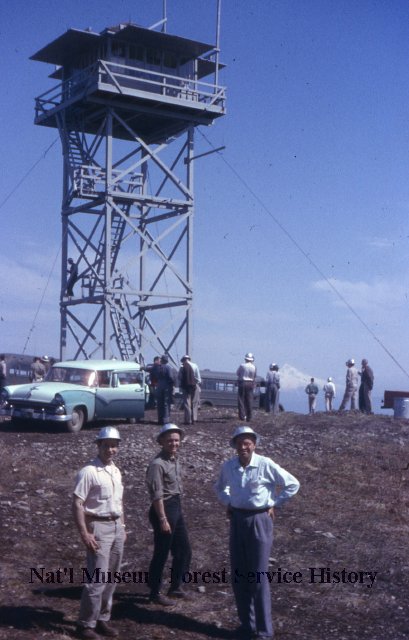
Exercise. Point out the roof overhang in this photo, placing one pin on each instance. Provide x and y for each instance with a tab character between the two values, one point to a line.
75	42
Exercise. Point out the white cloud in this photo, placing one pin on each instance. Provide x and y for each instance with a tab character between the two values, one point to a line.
381	243
292	378
365	295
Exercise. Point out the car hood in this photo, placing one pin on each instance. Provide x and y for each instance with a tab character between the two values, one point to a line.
43	391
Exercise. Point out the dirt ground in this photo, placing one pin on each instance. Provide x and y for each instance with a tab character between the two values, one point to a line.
350	516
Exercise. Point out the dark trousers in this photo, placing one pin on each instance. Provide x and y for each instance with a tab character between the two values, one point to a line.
245	399
163	402
177	542
365	402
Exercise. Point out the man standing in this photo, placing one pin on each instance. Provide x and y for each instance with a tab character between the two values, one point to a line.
272	390
248	485
312	391
329	394
189	383
164	482
366	387
246	374
98	514
351	386
166	377
153	371
72	277
37	370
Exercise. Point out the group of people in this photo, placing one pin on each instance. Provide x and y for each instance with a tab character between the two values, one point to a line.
312	391
38	369
162	380
249	485
246	383
358	389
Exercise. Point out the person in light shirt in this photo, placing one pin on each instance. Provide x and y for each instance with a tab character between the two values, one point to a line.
246	379
251	486
329	393
98	514
351	387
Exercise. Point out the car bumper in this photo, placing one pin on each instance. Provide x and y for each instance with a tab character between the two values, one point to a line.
33	414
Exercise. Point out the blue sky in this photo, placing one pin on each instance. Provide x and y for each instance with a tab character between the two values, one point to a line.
313	182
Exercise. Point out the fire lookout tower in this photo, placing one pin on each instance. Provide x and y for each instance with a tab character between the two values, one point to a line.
126	106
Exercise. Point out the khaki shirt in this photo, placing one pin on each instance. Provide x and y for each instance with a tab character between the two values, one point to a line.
163	478
100	488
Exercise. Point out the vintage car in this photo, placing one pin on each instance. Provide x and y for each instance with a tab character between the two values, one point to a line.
79	391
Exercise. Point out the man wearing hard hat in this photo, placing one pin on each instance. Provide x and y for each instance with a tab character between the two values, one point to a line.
98	514
329	393
246	379
351	386
252	486
164	482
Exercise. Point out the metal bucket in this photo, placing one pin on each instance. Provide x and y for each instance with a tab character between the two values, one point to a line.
401	408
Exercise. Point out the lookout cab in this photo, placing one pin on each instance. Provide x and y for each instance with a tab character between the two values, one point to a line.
126	105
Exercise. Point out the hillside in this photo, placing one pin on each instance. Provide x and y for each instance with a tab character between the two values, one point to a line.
348	522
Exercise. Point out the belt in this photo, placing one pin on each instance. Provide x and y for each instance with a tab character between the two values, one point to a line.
251	512
102	518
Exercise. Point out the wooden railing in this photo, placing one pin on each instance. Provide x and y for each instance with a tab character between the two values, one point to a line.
127	80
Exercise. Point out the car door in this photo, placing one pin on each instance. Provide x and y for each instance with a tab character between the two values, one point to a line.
124	397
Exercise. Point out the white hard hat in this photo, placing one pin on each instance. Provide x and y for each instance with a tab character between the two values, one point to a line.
350	362
329	379
242	431
249	357
108	433
169	427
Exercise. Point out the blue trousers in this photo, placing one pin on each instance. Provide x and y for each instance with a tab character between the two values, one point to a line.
251	538
163	403
271	398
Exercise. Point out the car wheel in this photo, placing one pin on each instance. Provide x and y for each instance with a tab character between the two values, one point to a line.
77	420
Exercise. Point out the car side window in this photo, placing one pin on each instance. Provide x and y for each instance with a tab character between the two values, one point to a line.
103	378
129	377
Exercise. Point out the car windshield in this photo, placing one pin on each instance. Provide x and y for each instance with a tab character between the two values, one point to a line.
85	377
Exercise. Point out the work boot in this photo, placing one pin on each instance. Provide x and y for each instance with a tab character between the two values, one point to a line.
161	600
178	592
87	633
106	629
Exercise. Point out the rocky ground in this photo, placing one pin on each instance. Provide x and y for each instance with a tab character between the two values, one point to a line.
350	516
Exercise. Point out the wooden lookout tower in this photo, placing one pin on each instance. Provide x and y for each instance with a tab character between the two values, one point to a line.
126	105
